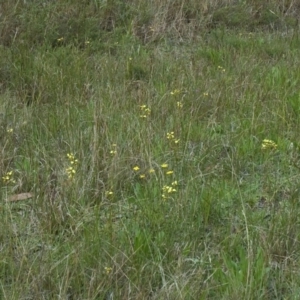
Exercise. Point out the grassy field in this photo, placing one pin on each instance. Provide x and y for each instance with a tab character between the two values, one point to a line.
149	150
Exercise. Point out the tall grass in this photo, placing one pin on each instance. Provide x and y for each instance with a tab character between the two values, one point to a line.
156	148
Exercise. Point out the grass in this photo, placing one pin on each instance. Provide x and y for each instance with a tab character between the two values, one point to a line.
138	128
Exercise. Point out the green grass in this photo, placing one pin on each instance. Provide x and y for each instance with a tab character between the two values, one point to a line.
165	107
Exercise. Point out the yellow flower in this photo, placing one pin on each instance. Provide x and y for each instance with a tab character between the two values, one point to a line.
169	172
109	193
146	111
268	144
170	135
179	104
108	270
167	190
164	165
142	176
151	171
205	94
8	178
136	168
72	159
113	151
174	183
70	156
71	172
171	190
175	92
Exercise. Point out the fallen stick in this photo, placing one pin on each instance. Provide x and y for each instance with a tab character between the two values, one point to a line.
19	197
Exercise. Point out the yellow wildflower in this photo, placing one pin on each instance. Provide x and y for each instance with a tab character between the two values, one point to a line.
145	110
179	104
72	159
268	144
167	190
113	151
71	170
170	135
108	270
175	92
8	178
